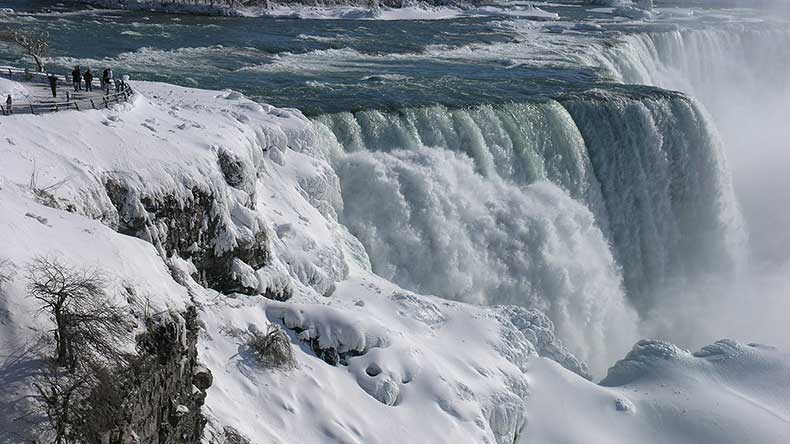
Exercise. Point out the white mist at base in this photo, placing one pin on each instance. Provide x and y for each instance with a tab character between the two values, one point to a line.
431	223
741	76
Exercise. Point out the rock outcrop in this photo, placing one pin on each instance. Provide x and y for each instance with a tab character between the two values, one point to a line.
165	388
225	241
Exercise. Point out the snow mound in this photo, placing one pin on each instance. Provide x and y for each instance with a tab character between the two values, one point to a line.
16	90
640	360
726	393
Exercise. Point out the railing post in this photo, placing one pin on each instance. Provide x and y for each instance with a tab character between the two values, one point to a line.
106	105
56	108
77	105
93	104
32	111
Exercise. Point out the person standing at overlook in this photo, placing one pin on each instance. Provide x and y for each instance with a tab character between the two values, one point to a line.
106	79
76	77
88	76
53	84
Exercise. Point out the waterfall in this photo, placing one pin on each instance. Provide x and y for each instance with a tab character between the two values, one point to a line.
740	75
580	206
670	203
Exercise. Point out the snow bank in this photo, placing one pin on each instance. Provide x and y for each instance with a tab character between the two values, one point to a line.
726	393
16	90
376	349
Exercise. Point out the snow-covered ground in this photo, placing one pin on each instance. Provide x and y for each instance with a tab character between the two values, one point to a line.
413	368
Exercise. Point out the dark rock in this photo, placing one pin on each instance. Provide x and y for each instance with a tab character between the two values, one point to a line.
232	168
328	355
202	378
232	436
278	294
162	405
189	228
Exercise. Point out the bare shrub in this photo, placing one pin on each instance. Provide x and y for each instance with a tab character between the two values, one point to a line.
86	325
273	348
60	393
45	194
81	404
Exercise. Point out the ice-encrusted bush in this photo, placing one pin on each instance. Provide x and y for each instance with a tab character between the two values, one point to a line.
272	348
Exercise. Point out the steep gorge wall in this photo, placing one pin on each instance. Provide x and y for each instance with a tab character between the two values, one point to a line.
165	387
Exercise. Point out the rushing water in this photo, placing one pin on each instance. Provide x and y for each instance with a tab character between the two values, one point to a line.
332	65
498	160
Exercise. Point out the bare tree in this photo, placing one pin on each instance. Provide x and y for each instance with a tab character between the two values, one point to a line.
35	43
60	396
76	391
85	323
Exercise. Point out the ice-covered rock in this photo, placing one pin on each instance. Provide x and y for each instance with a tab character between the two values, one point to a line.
642	358
632	12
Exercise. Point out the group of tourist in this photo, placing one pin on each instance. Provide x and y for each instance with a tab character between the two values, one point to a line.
81	80
107	80
78	78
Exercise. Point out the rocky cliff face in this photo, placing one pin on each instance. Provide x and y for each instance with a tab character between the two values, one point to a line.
197	225
165	388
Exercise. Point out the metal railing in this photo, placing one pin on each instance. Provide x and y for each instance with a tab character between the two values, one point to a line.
100	102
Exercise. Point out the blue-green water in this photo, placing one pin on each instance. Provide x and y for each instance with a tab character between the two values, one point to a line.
331	65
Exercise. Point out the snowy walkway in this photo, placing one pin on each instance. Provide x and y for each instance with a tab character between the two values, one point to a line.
37	97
